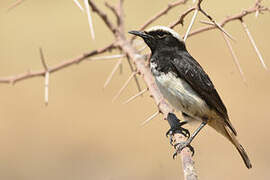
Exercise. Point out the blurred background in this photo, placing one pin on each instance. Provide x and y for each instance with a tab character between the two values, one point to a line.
83	135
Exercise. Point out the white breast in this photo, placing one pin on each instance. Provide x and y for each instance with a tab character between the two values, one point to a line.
181	96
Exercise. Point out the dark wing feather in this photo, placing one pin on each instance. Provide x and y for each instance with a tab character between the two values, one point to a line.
191	71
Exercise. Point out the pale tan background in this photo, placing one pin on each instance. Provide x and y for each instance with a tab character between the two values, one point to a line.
83	135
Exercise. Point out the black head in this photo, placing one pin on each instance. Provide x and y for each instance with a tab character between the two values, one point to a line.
160	37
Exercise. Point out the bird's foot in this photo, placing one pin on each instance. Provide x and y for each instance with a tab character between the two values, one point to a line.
176	127
180	146
170	133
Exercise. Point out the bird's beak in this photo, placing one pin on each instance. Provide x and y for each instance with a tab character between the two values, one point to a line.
142	34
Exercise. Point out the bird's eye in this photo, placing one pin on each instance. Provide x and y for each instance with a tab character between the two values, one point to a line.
161	36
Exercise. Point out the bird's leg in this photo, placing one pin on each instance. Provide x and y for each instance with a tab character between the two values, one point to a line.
176	127
180	146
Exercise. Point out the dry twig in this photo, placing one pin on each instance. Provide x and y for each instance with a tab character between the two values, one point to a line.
64	64
15	4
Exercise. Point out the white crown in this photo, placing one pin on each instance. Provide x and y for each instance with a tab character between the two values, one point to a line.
166	29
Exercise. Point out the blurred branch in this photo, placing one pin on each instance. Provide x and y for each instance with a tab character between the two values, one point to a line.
15	4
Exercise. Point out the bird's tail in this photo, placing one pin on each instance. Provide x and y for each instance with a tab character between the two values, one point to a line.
226	131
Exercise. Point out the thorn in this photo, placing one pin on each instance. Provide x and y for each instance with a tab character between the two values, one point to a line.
225	32
191	23
135	96
257	14
107	57
12	82
46	96
79	5
253	44
150	118
47	76
219	27
121	69
236	61
90	22
112	73
207	22
135	77
42	59
124	86
214	22
137	82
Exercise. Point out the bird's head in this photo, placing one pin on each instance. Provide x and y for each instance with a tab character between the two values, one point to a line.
159	37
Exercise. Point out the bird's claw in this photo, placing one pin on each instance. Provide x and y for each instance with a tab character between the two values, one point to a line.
176	126
178	129
180	146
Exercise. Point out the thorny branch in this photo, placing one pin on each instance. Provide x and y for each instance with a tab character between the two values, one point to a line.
142	68
161	13
182	17
64	64
228	19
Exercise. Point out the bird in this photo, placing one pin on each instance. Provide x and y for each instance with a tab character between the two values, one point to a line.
186	86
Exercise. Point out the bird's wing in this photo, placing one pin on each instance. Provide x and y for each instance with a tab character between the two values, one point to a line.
191	71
